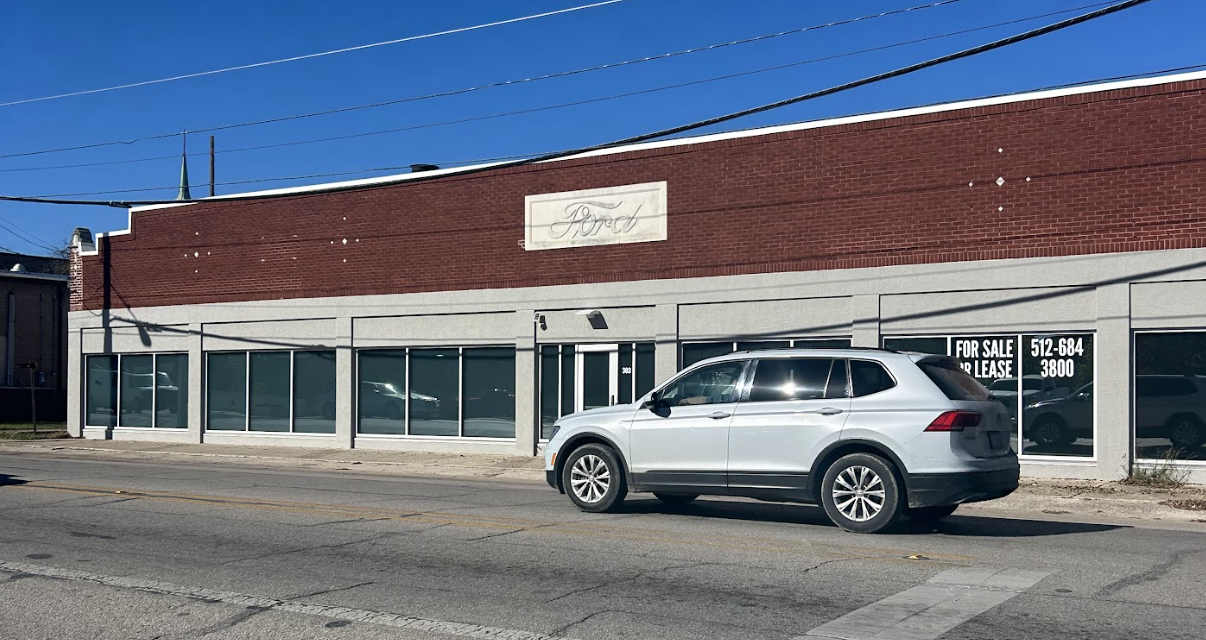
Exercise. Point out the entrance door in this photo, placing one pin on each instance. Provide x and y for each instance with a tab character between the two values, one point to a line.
598	371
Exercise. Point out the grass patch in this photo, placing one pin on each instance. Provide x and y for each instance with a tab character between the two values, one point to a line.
1191	504
25	431
1165	474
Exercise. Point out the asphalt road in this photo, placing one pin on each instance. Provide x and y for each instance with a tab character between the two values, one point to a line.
97	548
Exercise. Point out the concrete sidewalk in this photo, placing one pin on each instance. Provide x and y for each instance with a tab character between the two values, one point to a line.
1068	500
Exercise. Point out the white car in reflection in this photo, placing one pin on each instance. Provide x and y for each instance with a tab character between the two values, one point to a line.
386	399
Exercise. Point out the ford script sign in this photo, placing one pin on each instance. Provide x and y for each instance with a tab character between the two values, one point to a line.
613	215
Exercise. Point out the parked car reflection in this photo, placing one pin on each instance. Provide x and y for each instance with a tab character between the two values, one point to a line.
386	399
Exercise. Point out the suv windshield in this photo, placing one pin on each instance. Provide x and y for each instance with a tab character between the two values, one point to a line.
954	381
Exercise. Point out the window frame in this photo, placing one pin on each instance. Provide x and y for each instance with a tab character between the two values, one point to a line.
791	342
246	430
460	429
834	360
117	386
1134	418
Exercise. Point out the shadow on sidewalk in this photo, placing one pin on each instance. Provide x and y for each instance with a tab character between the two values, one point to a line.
955	525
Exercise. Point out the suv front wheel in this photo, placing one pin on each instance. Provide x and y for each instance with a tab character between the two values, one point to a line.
860	493
593	479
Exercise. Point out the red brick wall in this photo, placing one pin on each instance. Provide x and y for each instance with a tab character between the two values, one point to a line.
1109	172
39	328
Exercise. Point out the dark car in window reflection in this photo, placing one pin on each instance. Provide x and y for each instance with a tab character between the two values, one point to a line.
1166	406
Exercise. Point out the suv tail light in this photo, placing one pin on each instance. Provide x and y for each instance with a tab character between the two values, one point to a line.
954	421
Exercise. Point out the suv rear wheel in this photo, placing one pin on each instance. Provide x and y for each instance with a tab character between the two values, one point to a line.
860	493
593	479
1186	432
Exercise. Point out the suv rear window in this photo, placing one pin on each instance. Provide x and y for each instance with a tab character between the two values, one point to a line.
867	378
954	381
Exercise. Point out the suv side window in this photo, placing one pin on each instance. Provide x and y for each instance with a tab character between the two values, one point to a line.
778	379
713	384
1166	387
868	377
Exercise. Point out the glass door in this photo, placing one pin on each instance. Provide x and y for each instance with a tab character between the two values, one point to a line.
597	369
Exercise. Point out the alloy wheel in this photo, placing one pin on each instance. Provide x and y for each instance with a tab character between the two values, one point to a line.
858	493
590	478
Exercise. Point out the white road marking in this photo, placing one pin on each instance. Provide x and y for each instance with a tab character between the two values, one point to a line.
930	610
247	600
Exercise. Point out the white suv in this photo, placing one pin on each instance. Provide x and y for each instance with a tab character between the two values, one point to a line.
868	434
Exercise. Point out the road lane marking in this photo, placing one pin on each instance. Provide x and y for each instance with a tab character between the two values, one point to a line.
927	611
383	618
823	550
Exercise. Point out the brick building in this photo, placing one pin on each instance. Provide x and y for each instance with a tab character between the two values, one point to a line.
33	330
1054	242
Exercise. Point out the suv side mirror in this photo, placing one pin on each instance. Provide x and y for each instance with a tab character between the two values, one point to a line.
655	403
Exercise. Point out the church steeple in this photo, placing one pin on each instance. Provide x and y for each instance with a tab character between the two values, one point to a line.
184	192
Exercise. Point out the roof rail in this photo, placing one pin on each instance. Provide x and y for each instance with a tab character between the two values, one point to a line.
820	349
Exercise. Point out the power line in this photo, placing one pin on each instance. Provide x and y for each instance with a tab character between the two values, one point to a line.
314	55
22	236
902	71
454	92
515	156
571	104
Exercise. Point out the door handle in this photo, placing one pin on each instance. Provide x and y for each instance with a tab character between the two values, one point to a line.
718	415
829	411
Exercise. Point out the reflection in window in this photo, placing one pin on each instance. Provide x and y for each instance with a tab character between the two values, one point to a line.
1057	395
269	383
434	392
868	377
171	391
101	401
1170	395
780	379
489	392
712	384
314	392
137	390
226	398
382	401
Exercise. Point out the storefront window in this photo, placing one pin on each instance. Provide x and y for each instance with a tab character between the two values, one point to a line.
314	392
382	400
935	346
226	395
1170	395
489	393
1045	381
101	403
136	390
271	391
434	392
171	391
609	374
1057	395
269	397
692	352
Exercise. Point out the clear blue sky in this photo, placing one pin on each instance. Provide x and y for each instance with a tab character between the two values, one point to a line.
50	48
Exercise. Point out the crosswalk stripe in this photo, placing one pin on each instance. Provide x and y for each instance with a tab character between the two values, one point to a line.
930	610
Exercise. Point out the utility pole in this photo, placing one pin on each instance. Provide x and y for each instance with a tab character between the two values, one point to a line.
211	166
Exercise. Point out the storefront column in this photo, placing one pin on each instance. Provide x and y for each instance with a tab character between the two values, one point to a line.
865	325
665	355
345	385
77	379
1113	381
525	382
196	384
